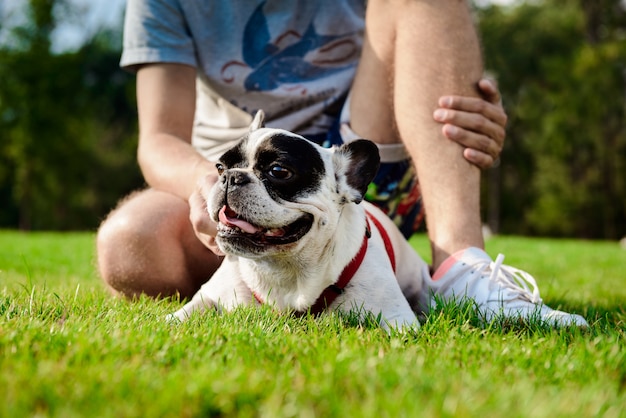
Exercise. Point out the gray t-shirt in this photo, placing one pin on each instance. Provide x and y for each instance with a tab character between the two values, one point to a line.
295	59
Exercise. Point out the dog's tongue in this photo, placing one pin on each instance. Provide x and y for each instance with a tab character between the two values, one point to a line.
229	218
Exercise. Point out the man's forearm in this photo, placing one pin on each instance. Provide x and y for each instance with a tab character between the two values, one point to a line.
172	165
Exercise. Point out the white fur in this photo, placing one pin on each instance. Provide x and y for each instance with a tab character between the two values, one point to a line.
292	277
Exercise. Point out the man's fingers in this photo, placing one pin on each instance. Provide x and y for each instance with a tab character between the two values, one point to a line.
205	185
472	140
459	124
489	90
478	158
474	105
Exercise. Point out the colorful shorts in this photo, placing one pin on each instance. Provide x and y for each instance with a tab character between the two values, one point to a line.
394	190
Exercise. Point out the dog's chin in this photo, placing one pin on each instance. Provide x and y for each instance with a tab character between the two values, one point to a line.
241	237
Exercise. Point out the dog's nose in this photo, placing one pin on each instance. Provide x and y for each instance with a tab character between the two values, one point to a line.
237	178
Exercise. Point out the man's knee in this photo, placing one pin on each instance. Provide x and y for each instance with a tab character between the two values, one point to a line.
147	246
114	242
126	238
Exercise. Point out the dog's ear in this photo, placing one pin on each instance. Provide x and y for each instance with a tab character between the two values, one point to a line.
358	162
258	121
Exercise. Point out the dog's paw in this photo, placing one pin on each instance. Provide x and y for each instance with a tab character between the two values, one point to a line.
400	325
174	318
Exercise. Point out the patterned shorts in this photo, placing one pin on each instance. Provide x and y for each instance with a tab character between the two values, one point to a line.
394	190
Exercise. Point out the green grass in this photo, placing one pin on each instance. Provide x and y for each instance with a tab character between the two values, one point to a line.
67	349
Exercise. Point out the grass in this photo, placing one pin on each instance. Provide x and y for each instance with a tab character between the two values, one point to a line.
67	349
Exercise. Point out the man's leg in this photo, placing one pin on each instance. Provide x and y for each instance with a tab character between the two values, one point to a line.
147	245
415	52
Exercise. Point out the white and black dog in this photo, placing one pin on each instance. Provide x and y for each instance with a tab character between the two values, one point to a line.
297	235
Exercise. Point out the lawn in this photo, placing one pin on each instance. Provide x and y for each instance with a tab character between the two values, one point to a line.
68	349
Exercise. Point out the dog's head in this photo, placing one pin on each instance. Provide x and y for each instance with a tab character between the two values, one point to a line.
278	192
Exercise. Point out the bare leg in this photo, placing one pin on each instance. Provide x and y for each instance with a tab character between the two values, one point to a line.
415	52
147	245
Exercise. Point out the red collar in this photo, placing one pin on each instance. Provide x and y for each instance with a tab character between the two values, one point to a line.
329	294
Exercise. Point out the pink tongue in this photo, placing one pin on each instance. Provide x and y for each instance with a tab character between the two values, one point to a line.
239	223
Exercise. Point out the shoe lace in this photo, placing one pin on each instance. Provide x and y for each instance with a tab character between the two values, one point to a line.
515	280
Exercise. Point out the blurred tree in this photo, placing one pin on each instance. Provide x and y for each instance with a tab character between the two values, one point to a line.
67	127
561	67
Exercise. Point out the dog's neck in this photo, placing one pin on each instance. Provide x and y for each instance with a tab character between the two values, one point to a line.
296	280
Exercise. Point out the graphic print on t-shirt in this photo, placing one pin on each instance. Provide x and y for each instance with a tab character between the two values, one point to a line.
290	59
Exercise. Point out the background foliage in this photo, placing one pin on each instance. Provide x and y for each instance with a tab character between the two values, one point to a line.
68	121
67	127
561	65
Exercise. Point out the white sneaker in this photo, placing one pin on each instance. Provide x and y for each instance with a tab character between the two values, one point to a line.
497	290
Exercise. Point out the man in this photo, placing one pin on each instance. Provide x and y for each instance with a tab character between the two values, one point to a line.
204	67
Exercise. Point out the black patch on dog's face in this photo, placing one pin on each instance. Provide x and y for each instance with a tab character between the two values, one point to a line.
289	167
236	156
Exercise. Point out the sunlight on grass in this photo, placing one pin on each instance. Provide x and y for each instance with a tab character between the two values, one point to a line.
69	349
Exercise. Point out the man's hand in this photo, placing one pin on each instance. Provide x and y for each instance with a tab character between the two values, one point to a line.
475	123
204	227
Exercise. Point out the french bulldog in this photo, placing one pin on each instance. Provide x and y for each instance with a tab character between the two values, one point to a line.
297	234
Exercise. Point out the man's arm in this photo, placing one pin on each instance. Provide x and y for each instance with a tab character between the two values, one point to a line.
166	100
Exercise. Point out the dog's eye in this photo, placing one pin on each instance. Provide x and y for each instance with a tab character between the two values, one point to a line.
279	172
220	168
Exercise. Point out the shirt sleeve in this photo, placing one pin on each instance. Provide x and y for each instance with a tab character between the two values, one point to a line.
156	31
